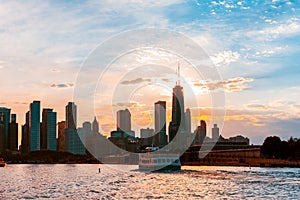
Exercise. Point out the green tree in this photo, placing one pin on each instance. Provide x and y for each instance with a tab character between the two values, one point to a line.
271	147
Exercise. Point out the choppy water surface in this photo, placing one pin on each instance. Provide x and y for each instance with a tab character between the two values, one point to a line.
84	181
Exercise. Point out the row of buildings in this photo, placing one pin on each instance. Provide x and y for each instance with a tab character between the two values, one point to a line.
40	134
8	130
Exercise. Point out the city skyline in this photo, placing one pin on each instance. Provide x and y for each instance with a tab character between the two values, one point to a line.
258	62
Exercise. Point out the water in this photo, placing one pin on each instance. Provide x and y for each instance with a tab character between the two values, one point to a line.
84	182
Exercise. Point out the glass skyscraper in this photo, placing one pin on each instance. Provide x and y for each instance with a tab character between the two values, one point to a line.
48	132
5	116
34	125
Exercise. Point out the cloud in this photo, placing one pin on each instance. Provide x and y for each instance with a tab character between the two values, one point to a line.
129	105
289	28
62	85
225	58
277	105
230	85
135	81
258	107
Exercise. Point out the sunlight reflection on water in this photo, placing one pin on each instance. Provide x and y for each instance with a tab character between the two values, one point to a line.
84	181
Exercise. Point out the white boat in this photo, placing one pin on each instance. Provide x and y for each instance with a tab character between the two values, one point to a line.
154	161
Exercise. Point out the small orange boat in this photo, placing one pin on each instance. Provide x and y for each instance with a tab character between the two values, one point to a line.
2	163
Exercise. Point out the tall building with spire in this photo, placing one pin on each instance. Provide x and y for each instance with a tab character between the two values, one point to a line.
95	126
178	118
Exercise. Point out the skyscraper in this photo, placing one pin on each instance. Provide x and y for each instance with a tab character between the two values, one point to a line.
95	126
200	133
177	125
71	124
87	128
25	135
215	133
124	120
13	133
48	130
160	124
188	121
73	144
61	136
5	114
34	125
2	134
71	115
147	136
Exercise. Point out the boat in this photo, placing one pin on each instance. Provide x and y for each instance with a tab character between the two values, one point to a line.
154	161
2	163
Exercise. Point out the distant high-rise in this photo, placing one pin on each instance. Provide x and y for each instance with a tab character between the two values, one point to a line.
200	133
13	133
25	135
61	135
188	121
124	120
95	126
79	141
71	115
48	130
160	124
177	124
87	128
147	136
215	132
2	134
5	114
34	125
73	144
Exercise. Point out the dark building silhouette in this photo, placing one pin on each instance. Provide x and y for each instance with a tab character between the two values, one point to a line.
215	132
87	128
13	133
73	144
200	133
71	115
93	139
95	126
61	135
25	135
48	130
160	138
34	125
177	125
147	136
5	115
188	121
2	134
124	120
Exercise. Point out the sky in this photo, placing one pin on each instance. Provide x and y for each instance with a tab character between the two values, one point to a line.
254	45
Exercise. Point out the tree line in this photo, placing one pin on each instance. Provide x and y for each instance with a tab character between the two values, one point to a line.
274	147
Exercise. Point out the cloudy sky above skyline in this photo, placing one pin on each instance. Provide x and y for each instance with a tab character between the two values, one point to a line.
254	45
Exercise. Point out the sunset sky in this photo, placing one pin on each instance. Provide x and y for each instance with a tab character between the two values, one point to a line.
255	46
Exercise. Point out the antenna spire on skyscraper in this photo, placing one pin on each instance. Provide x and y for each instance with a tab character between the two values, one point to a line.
178	73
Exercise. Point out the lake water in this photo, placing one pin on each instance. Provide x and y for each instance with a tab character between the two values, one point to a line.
84	182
